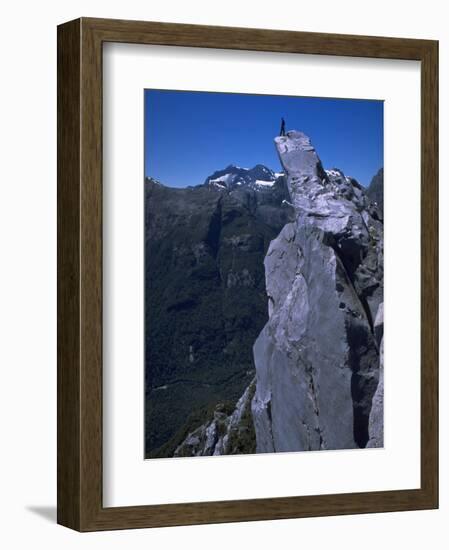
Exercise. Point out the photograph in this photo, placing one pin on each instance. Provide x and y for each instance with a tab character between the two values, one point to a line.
193	284
263	273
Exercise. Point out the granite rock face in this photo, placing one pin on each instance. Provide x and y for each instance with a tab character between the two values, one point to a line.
317	358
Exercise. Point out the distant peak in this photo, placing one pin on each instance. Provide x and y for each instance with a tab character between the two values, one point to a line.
232	177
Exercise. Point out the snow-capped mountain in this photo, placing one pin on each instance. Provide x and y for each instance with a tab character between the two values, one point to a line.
232	177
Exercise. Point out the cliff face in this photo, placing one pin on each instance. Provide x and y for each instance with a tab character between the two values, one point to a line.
317	358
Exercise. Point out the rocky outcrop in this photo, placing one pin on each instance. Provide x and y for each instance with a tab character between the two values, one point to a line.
317	358
224	434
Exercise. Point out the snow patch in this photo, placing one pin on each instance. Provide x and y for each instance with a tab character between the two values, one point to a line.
222	181
264	183
218	183
334	173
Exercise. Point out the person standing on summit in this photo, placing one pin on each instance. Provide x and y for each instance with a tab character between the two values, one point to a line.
282	132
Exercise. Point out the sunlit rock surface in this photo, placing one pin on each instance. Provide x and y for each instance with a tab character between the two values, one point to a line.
317	358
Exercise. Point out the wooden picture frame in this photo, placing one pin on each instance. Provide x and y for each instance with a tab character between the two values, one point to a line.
80	503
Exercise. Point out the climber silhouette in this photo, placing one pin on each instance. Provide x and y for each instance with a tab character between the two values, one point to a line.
282	132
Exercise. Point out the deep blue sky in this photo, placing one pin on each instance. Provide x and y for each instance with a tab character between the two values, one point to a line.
190	135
